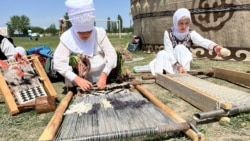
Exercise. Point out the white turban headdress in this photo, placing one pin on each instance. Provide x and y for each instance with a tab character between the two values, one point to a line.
81	14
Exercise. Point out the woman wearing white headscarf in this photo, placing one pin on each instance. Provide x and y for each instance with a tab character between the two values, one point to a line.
84	40
176	56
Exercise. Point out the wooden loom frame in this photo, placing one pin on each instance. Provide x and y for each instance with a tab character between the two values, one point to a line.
191	94
53	126
237	77
232	76
46	83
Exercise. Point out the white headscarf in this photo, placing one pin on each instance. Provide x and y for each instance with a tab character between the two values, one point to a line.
179	14
81	14
82	17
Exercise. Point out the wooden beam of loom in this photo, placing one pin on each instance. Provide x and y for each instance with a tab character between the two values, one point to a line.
46	81
52	127
189	132
8	97
200	99
232	76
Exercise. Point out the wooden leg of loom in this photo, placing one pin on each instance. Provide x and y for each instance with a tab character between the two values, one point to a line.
52	127
189	132
8	97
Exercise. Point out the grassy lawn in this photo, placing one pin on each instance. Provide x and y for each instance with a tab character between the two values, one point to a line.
28	126
42	41
53	41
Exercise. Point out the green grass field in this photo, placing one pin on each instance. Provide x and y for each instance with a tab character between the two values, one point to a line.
28	126
53	41
42	41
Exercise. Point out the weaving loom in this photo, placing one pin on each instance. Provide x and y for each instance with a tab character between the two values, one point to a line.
131	115
23	80
127	115
205	95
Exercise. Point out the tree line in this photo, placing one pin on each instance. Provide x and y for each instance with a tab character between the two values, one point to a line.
115	26
19	26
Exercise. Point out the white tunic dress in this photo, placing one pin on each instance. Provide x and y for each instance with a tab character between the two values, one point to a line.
9	50
166	58
70	44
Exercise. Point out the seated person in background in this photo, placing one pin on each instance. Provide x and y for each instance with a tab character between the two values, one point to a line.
84	42
8	49
176	56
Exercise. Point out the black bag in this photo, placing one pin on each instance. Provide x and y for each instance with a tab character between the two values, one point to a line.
133	47
53	75
116	74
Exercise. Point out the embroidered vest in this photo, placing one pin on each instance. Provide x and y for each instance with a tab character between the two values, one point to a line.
186	41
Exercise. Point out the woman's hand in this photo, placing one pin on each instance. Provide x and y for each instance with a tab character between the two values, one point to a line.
84	84
217	50
181	69
101	83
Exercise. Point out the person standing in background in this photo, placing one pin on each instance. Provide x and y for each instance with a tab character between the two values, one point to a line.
62	26
30	34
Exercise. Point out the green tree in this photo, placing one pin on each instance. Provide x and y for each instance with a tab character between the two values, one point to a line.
119	18
52	30
18	24
37	30
68	23
108	25
128	29
113	27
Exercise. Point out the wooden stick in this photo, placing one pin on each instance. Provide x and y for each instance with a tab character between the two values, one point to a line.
8	97
232	76
189	132
53	125
147	77
209	73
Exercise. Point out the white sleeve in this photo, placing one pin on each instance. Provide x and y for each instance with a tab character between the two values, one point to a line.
61	62
8	48
109	51
168	47
197	39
